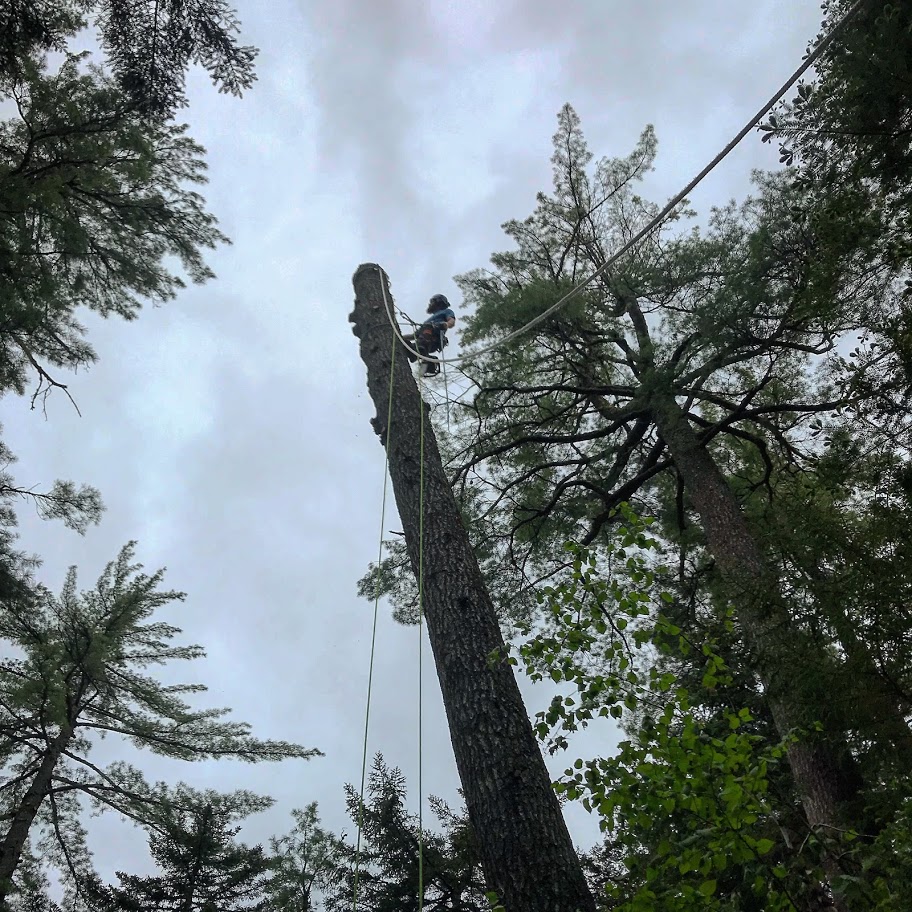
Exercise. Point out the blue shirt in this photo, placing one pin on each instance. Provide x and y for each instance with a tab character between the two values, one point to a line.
438	321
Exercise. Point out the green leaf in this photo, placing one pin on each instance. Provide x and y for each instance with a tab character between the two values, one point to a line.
764	846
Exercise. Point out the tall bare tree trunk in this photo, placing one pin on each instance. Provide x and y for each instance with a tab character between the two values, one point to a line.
527	854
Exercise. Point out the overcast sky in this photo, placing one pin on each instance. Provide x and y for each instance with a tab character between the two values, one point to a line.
228	431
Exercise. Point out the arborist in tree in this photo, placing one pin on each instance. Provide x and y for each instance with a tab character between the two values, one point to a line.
431	335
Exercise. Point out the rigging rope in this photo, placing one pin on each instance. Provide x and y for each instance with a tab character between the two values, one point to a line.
654	223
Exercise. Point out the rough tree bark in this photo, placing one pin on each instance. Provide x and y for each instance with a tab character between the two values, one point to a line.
17	834
824	772
527	854
824	782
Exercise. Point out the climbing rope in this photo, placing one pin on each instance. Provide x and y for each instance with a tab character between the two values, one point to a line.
443	364
373	647
370	674
420	647
654	223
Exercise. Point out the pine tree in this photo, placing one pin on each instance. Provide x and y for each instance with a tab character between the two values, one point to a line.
78	673
203	868
651	387
31	886
305	862
528	856
387	869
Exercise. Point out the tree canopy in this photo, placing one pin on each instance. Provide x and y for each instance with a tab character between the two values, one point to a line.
149	45
99	208
690	493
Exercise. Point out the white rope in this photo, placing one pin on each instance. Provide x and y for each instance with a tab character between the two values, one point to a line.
443	363
657	220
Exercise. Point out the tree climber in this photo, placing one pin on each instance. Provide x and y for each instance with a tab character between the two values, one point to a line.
431	335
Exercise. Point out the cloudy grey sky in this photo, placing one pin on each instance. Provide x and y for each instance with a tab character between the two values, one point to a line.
228	431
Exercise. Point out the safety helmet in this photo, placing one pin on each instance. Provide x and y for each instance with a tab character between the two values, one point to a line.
438	302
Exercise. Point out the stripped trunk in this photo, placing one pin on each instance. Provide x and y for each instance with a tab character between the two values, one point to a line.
21	823
526	850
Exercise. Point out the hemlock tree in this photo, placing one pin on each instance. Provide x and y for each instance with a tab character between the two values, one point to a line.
96	207
79	675
96	186
387	876
203	868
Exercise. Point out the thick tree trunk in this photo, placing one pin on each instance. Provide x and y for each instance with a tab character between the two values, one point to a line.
527	854
826	781
14	841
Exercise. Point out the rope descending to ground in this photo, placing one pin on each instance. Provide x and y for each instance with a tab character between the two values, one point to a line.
373	646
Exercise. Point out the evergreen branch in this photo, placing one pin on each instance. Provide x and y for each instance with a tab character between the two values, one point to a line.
553	439
45	378
609	390
55	820
175	748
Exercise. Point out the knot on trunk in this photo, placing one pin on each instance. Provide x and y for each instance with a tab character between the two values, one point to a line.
379	426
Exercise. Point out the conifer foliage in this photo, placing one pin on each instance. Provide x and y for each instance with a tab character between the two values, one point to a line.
388	866
81	673
149	44
202	867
